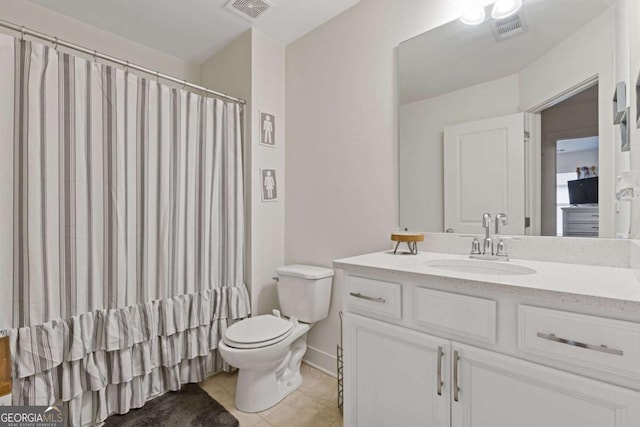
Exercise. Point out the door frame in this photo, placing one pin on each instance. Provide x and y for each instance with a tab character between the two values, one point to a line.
533	154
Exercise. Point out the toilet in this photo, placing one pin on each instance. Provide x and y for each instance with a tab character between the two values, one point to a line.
268	349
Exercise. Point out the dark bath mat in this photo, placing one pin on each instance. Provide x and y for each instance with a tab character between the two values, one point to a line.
191	406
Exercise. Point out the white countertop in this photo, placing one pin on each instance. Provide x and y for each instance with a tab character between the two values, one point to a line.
611	283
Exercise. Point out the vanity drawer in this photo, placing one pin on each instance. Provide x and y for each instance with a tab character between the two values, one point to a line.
465	316
594	342
583	216
582	227
374	297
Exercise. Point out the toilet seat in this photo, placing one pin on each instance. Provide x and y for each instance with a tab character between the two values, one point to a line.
259	331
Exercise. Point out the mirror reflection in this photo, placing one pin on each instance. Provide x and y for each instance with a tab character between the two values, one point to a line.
511	116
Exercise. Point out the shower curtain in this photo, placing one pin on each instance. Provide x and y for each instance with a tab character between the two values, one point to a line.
128	233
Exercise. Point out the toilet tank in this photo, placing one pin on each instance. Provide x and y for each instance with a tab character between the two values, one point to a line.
304	292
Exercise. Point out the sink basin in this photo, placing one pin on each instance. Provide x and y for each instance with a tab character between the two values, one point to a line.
479	267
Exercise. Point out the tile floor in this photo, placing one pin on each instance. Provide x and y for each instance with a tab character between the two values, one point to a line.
314	404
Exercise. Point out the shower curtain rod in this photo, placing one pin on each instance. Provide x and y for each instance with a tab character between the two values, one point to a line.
95	54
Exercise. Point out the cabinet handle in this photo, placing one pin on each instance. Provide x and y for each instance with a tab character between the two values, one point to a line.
439	378
359	295
456	389
601	348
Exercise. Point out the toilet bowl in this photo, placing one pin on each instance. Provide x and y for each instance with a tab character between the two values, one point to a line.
268	349
267	373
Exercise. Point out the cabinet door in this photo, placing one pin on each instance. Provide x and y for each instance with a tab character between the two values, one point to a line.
392	376
497	390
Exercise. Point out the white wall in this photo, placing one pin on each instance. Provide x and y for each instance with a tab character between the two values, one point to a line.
252	67
586	53
268	218
567	162
229	70
46	21
421	132
342	185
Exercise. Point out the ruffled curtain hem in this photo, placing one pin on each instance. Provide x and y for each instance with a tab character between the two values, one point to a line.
123	357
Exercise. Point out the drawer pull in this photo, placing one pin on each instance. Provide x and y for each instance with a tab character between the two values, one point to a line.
439	378
600	348
456	388
374	299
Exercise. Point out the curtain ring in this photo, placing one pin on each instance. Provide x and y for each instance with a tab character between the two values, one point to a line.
22	33
55	44
95	56
157	76
184	84
126	67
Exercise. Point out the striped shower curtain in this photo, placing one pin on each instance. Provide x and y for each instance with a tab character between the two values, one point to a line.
128	233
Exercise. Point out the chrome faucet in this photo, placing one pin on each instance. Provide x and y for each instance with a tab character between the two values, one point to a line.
501	251
501	218
487	246
488	252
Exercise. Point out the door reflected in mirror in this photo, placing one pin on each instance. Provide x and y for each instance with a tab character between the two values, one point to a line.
520	124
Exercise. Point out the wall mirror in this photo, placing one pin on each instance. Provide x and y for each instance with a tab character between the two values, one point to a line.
511	116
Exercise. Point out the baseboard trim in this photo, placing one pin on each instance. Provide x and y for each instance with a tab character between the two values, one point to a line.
321	360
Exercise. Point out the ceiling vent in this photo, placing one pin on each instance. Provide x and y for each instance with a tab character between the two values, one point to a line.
509	27
249	9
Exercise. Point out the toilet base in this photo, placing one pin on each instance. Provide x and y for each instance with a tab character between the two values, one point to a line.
259	390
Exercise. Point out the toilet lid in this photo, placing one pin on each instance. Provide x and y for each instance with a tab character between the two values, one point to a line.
257	331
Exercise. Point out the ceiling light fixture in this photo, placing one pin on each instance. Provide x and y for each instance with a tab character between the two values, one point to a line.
505	8
471	12
473	16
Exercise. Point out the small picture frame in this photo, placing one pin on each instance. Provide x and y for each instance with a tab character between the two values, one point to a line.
620	103
269	185
268	130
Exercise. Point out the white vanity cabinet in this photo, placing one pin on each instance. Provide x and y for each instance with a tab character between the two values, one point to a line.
396	376
413	357
497	390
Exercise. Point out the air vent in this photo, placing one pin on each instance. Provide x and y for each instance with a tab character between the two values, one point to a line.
510	27
249	9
